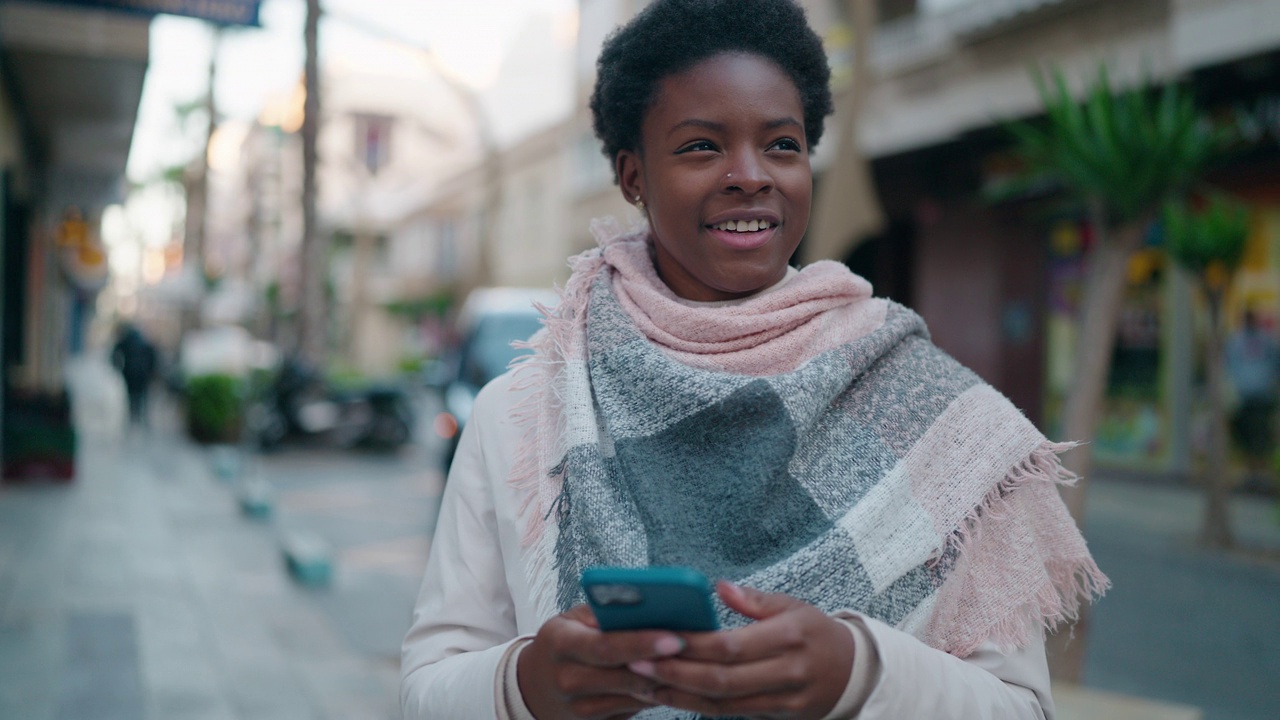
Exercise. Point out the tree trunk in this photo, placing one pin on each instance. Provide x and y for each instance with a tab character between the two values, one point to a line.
312	315
1216	531
1095	342
197	197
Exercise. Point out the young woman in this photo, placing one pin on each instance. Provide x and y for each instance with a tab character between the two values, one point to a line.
885	526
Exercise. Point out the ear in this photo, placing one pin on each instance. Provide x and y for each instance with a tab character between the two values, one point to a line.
630	170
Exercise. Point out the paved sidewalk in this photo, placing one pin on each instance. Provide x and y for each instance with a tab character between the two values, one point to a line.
1182	623
141	593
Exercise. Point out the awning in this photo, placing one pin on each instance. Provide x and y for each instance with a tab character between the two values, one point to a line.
76	79
221	12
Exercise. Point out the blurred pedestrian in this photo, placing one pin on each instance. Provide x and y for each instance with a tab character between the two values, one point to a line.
886	527
137	360
1253	361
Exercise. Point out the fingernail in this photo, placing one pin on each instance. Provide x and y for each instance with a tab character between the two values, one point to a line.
670	645
641	667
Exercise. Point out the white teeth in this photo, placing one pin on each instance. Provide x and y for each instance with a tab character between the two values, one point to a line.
744	225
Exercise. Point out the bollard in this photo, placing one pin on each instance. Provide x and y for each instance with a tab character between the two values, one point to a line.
226	461
256	499
308	558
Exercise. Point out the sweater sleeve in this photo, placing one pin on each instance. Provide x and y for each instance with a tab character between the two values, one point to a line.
464	619
987	684
917	681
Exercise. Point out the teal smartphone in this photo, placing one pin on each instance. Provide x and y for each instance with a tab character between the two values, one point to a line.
652	598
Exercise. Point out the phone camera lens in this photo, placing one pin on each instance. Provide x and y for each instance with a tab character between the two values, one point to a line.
615	594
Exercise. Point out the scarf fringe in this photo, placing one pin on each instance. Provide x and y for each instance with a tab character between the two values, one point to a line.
537	469
1069	582
1056	602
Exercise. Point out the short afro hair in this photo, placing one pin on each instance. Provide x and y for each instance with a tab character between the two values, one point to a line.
670	36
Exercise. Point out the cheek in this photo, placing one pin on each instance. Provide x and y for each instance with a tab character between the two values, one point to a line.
799	184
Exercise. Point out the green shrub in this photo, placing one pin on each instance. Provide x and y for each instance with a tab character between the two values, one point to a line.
345	378
412	364
215	408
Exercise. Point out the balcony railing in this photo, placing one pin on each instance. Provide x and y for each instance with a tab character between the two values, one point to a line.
932	32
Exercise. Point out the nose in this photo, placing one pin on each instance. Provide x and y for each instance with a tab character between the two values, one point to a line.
747	173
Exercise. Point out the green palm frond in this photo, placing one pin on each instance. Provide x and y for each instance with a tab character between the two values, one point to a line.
1214	234
1127	150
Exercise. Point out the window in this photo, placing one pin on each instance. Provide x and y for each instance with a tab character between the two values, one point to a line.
373	141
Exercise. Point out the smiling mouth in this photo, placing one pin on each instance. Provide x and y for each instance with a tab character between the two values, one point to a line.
742	226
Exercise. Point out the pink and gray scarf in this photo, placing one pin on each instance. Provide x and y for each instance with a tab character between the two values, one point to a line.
810	440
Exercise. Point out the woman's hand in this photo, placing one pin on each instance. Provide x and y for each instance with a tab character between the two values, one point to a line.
572	670
793	663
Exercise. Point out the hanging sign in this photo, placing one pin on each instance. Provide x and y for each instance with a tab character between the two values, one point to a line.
220	12
81	255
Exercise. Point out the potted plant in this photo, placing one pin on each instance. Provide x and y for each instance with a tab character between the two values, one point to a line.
215	408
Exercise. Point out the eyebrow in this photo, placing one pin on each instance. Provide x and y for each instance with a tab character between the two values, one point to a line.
720	127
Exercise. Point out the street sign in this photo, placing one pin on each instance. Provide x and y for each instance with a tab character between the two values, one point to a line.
220	12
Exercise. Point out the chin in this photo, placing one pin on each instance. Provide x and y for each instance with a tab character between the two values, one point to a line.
748	284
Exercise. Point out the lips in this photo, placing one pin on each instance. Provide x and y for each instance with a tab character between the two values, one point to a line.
749	240
745	228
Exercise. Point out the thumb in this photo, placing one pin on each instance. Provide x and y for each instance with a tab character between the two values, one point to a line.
753	603
582	613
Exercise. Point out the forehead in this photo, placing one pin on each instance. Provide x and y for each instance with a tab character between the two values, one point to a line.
729	86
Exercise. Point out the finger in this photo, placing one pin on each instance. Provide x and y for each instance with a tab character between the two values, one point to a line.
582	613
753	603
570	639
761	640
717	681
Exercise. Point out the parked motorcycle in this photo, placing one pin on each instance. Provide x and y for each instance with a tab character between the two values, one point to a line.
300	403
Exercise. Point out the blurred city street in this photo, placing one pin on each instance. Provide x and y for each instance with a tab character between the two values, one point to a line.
143	591
258	258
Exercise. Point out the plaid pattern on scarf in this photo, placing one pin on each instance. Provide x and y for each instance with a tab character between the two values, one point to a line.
810	441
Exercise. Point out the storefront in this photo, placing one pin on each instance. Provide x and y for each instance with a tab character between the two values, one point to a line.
1000	283
1156	413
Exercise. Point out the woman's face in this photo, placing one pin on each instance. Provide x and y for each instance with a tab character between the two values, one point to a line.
723	171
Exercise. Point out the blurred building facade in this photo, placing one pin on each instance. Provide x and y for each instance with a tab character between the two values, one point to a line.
387	138
503	222
71	78
999	283
70	82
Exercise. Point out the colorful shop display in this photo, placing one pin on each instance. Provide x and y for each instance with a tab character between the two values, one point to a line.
1154	416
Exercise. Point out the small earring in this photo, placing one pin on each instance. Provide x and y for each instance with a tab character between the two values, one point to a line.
639	204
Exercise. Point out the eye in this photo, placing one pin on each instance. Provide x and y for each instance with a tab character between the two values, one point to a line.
788	144
697	146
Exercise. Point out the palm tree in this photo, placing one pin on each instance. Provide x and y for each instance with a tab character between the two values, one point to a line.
312	336
1208	243
1120	155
